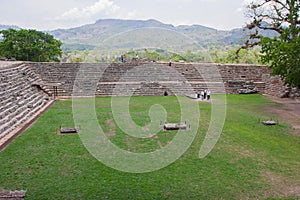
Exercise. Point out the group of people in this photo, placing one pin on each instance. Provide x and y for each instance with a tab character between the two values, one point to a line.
121	58
204	95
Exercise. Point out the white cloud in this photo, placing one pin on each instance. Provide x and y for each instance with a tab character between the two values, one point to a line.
247	2
131	14
100	9
239	10
47	15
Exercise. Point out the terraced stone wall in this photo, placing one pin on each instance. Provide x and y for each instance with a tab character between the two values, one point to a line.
154	78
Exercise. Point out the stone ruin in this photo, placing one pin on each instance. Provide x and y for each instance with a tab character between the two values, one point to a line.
269	123
175	126
12	195
243	87
68	130
27	89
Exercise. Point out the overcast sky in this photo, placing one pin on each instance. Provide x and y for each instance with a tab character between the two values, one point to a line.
53	14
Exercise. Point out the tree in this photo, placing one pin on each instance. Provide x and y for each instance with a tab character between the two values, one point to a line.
281	52
30	45
229	56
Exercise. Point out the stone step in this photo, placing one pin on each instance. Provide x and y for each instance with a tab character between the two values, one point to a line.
19	100
21	115
15	87
10	71
66	74
5	112
9	115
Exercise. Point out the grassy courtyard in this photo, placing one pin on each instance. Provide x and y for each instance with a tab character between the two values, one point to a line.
250	161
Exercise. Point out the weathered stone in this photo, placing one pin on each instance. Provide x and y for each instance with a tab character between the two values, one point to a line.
68	130
174	126
269	123
248	91
15	195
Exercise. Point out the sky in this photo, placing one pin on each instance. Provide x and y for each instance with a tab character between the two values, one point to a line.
54	14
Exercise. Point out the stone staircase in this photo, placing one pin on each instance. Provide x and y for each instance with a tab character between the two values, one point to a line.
145	79
20	100
60	75
36	81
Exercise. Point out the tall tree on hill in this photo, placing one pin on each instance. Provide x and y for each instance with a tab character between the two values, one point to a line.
30	45
281	53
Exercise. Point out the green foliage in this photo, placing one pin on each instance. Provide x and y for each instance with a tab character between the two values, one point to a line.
190	56
151	55
30	45
248	56
76	60
220	55
281	52
283	56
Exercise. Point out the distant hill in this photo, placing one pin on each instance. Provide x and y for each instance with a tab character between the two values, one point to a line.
112	34
131	34
5	27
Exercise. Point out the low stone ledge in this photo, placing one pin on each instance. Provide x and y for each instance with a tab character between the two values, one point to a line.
68	130
269	123
174	126
15	195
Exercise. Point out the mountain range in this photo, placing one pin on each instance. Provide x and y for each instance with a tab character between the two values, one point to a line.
4	27
134	34
112	34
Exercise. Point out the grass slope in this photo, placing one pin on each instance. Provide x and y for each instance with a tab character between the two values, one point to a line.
250	161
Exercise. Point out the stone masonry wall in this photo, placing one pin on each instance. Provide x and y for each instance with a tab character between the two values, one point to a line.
20	99
155	78
274	85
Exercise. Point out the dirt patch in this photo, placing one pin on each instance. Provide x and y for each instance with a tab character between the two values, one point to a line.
280	186
160	144
240	151
129	145
287	111
112	128
64	99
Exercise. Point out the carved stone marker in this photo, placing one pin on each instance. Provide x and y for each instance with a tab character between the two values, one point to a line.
68	130
269	123
16	195
174	126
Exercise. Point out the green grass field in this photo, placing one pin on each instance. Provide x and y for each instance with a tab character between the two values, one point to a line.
250	161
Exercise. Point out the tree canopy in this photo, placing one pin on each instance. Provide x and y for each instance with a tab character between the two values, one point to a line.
30	45
282	52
